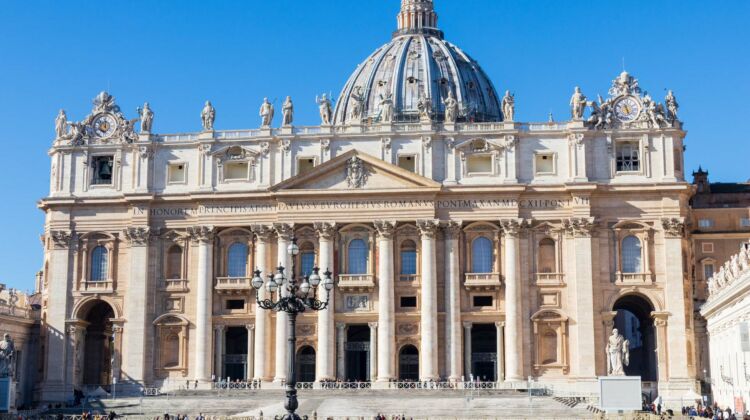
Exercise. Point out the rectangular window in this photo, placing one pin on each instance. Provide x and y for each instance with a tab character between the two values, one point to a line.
235	304
235	171
409	262
408	162
707	247
706	223
307	260
628	157
176	173
408	301
482	301
708	271
745	222
103	167
544	164
305	165
479	164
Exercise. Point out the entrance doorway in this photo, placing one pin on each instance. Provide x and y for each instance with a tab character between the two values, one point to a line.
484	352
358	353
306	364
99	345
408	363
634	322
235	355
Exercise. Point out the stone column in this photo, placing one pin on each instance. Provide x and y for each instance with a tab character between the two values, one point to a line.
581	287
134	363
204	237
60	243
452	301
324	356
386	308
428	365
500	351
467	349
514	338
218	351
660	324
250	371
674	300
260	371
373	350
340	351
285	233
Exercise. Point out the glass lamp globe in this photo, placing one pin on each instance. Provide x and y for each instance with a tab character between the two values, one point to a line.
314	277
328	283
271	286
305	288
257	280
293	249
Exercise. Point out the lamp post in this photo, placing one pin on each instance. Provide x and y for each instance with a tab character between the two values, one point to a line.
299	298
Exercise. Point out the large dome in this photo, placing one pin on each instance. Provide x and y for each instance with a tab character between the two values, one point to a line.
418	65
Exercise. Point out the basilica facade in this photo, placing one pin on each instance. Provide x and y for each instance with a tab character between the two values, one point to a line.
463	244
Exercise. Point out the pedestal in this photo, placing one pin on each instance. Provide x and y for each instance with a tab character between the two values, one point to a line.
7	396
620	393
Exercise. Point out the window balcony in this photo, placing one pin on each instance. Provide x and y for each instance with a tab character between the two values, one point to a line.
233	285
633	279
408	279
550	279
482	281
98	286
173	285
356	282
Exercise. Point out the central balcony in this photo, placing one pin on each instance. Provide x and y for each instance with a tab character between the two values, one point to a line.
97	286
633	279
356	282
173	285
482	281
550	279
233	285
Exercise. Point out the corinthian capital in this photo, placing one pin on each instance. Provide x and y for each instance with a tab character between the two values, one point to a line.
325	230
203	234
673	226
137	236
512	227
285	231
452	228
263	232
61	239
579	226
386	228
428	227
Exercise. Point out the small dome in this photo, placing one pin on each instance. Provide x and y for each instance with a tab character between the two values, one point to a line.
418	65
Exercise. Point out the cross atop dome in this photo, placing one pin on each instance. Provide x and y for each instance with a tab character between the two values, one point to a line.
418	16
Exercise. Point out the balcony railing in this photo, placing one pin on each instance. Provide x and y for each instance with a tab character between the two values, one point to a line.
98	286
233	284
408	278
356	281
173	285
633	278
482	280
550	279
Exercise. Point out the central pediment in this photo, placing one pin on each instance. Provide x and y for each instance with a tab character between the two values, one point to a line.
355	170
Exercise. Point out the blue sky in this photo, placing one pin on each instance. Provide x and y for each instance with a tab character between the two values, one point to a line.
175	55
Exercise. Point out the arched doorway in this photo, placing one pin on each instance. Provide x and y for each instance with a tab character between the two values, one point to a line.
306	364
99	344
408	363
634	322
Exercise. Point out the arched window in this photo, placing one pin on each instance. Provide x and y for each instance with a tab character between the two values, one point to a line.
481	255
547	263
631	255
408	257
357	257
307	258
99	264
237	260
174	262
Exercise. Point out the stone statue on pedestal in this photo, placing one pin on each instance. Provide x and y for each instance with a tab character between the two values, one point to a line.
509	106
287	112
358	100
266	113
672	106
7	357
451	108
577	104
386	107
61	124
147	118
325	108
618	354
208	115
425	108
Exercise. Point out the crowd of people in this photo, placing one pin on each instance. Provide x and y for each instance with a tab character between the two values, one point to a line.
713	412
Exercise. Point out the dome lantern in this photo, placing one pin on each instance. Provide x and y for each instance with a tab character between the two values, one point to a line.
417	16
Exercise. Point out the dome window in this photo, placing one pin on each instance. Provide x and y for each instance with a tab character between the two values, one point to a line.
411	79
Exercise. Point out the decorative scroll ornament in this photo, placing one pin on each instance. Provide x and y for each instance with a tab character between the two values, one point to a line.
285	231
385	228
204	234
325	230
137	236
61	238
513	227
105	124
408	329
673	227
356	173
263	232
452	228
579	226
428	227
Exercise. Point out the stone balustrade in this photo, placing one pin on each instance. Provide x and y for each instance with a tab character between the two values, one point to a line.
482	280
99	286
356	281
550	279
633	278
233	284
173	285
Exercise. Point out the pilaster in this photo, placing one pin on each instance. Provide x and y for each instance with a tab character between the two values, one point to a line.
136	304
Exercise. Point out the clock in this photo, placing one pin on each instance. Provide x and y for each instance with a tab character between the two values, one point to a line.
627	109
104	125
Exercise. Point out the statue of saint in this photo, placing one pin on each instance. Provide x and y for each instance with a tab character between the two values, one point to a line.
509	106
147	118
287	112
325	108
451	108
425	108
577	104
7	357
386	107
618	353
358	101
61	124
208	115
266	113
672	106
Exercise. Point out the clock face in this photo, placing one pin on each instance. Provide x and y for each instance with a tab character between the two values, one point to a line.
627	109
104	125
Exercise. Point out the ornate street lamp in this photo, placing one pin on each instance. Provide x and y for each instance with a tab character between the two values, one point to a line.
297	299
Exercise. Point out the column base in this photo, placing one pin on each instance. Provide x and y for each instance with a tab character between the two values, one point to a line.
514	378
